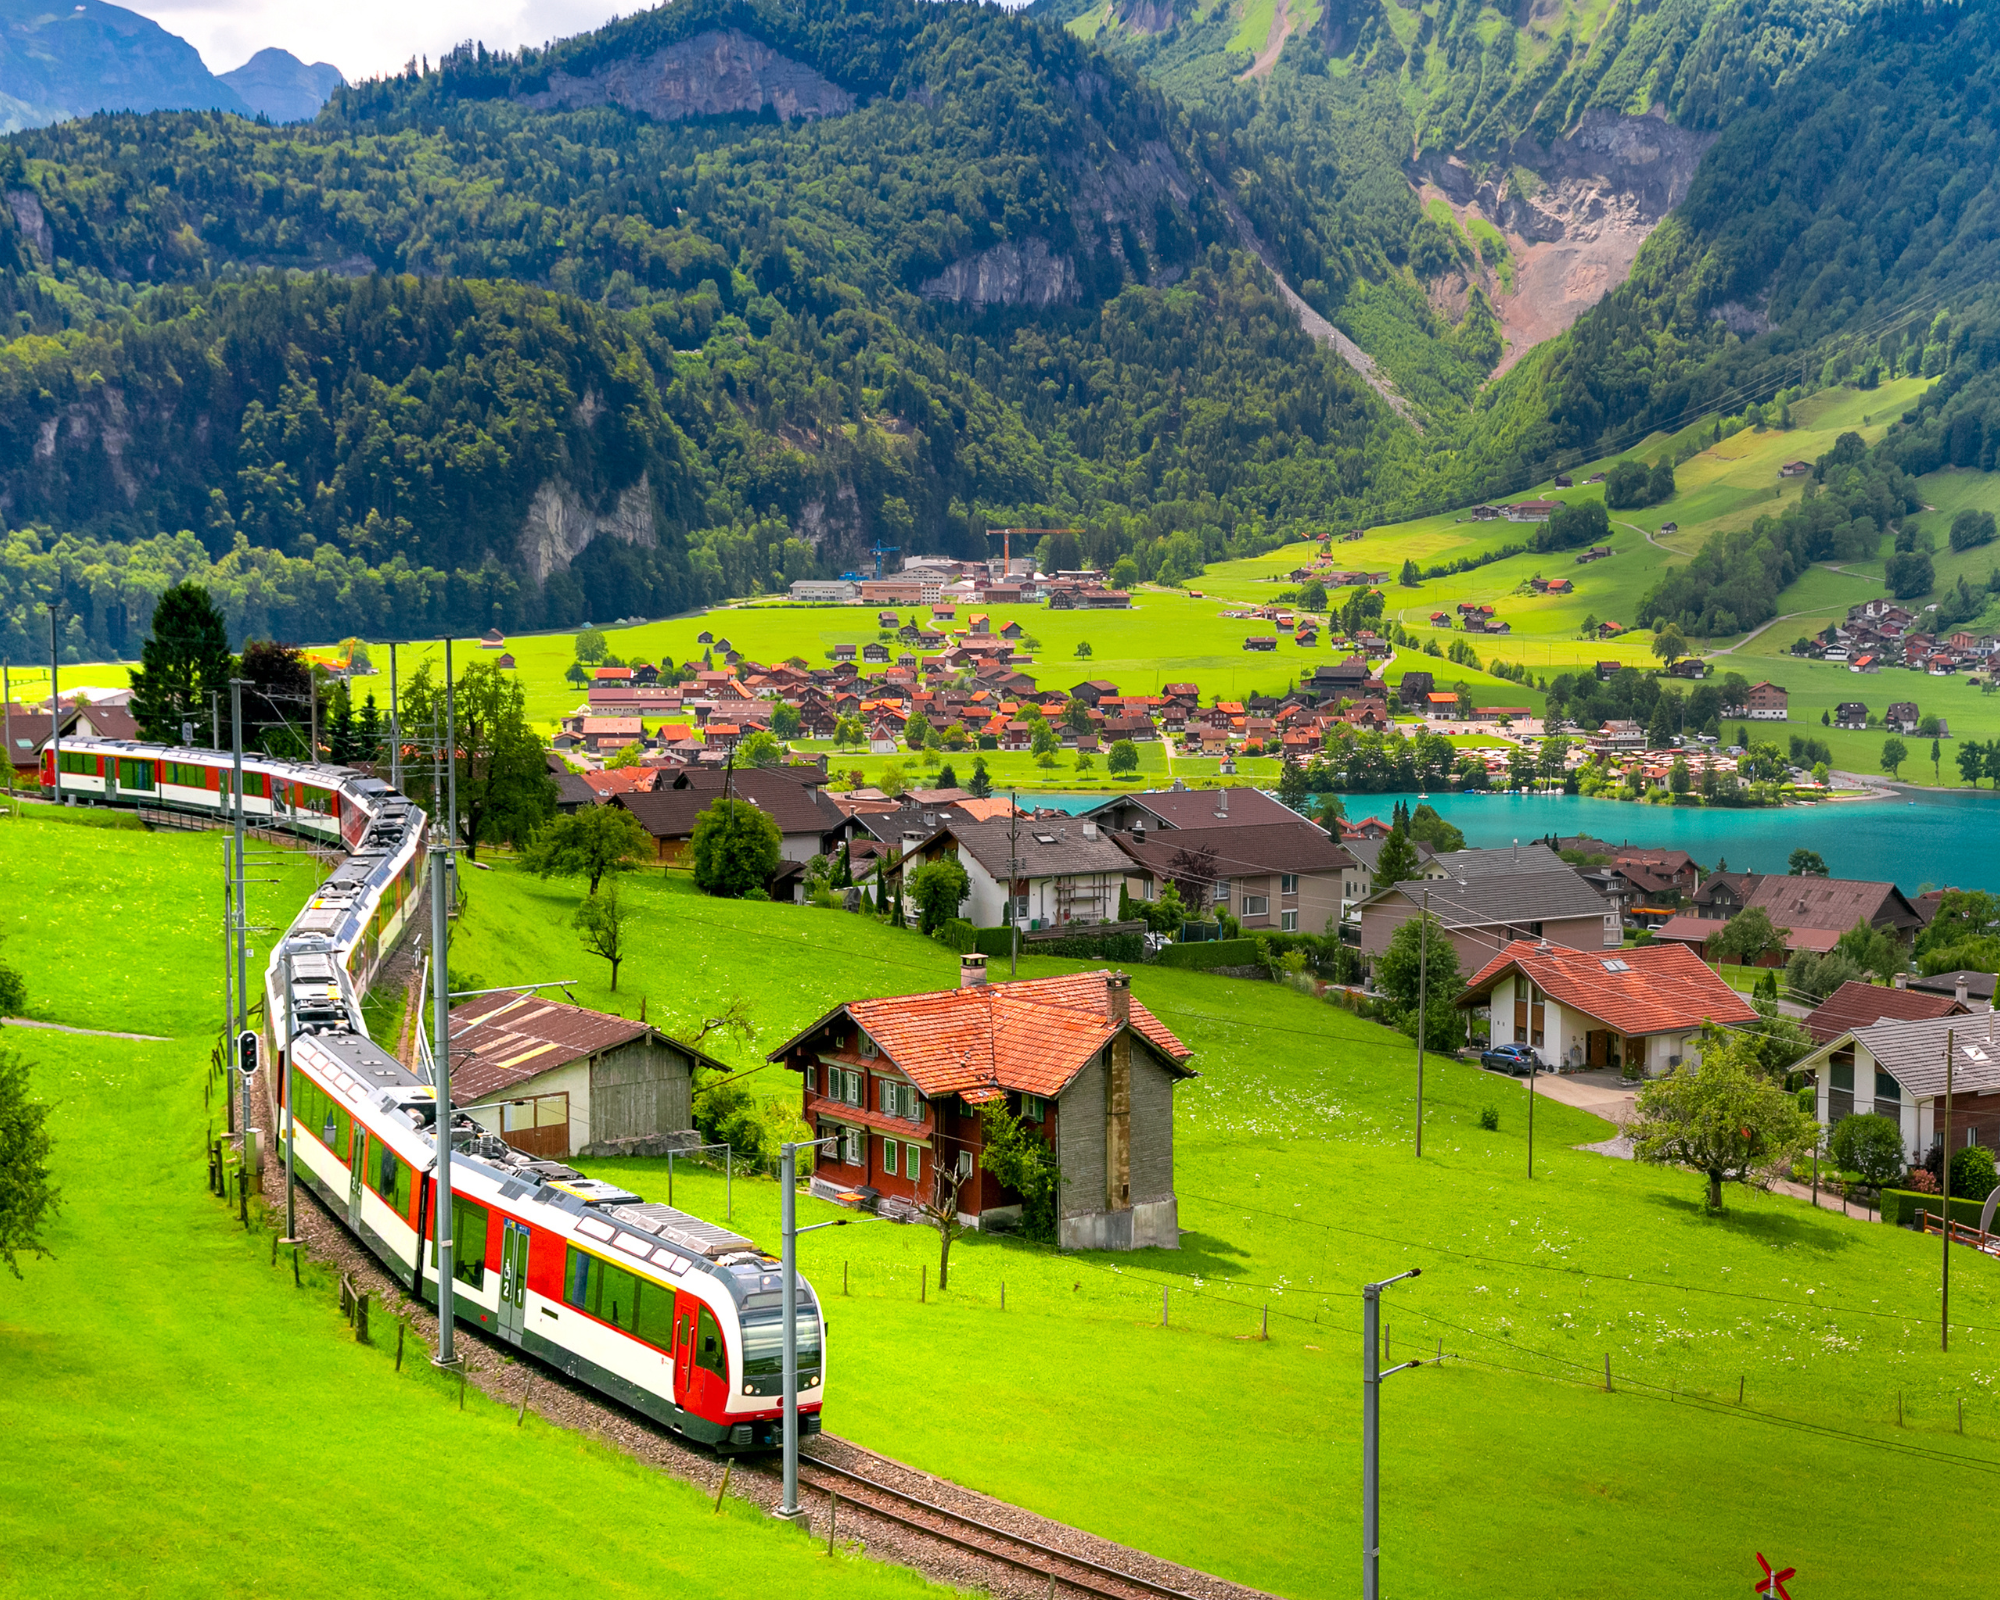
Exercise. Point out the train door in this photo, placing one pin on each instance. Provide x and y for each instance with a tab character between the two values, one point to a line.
358	1151
686	1311
513	1279
704	1368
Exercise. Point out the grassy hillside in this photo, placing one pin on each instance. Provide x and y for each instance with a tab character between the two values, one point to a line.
1296	1185
176	1417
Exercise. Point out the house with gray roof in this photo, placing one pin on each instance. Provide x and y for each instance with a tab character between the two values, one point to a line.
1896	1069
1486	899
1284	876
1043	872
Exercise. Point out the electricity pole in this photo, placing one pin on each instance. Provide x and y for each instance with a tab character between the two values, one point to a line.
1371	1429
55	707
451	771
395	730
1944	1180
1013	878
291	1119
788	1507
1534	1062
441	1079
242	909
1423	978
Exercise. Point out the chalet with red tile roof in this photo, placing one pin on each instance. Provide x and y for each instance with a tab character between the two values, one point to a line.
901	1084
1639	1008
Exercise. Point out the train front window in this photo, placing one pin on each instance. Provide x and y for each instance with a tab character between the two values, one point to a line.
764	1336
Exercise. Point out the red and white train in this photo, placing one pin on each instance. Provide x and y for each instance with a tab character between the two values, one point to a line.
660	1310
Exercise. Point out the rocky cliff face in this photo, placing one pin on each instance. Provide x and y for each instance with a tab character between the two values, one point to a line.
709	74
1110	201
1612	174
1576	212
559	525
1009	274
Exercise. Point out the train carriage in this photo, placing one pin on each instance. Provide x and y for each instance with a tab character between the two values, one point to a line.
672	1316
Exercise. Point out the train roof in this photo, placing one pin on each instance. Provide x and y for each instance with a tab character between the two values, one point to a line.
598	1214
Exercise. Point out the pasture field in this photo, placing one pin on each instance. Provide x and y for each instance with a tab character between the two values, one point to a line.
1296	1186
176	1418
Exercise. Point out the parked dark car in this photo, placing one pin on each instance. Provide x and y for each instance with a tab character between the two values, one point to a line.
1517	1059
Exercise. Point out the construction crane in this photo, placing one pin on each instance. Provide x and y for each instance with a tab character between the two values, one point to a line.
879	552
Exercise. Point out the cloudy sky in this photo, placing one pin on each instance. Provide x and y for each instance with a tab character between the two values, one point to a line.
366	37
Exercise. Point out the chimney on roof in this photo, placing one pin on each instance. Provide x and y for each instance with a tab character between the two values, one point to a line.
1902	980
1222	805
1090	830
972	971
1139	829
1959	992
1118	997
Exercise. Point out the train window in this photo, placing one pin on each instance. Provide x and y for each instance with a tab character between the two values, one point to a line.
576	1280
468	1242
764	1336
708	1346
185	773
72	761
134	774
655	1321
389	1176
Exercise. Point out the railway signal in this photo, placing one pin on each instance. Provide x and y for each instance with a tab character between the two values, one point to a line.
246	1053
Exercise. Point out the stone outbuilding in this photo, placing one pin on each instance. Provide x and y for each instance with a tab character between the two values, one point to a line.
901	1085
559	1080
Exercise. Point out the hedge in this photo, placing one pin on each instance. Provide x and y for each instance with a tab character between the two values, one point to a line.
960	935
1900	1206
1211	953
997	944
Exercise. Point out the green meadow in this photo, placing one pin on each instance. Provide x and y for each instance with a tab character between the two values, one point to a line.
160	1420
1297	1184
176	1418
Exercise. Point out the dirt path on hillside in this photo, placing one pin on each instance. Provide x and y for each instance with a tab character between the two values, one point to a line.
1274	43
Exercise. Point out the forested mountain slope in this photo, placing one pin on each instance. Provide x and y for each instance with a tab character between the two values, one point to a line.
1458	183
1846	231
757	288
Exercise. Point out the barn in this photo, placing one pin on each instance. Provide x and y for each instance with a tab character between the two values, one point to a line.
559	1080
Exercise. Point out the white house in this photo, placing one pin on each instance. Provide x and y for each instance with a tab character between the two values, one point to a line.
1638	1009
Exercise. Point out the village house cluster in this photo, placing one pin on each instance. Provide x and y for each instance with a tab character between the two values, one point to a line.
1884	633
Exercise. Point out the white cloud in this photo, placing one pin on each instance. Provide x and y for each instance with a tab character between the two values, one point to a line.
365	38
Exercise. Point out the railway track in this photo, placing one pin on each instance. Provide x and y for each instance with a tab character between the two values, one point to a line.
1064	1569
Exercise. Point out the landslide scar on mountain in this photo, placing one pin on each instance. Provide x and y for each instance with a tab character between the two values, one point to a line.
708	74
1575	212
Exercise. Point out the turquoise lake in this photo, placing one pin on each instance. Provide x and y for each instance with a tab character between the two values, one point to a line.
1918	840
1921	839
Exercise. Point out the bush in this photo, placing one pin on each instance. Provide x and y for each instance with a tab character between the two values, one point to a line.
1972	1173
1873	1147
959	935
1489	1118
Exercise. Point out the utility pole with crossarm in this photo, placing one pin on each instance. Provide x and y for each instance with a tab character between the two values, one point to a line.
1371	1429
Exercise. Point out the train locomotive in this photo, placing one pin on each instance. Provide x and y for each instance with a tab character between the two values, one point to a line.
660	1310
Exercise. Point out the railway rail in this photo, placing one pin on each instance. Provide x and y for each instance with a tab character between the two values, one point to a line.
1064	1568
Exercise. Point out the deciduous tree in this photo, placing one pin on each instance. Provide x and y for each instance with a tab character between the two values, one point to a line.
591	842
1722	1119
736	847
600	922
28	1200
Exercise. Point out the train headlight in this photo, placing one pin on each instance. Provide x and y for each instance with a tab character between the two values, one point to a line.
749	1388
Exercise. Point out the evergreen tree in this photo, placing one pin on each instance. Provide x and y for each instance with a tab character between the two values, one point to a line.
1398	861
185	659
368	731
